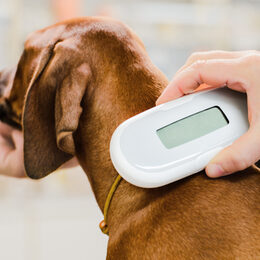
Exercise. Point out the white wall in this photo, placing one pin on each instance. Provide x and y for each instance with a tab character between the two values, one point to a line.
55	218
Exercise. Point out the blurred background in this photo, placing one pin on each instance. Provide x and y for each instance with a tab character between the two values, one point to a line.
57	217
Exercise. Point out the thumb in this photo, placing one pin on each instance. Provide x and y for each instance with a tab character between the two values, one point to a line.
244	152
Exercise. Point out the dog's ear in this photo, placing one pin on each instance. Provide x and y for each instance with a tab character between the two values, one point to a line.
52	110
68	106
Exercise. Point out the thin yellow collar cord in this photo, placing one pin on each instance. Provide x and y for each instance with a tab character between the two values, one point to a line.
103	224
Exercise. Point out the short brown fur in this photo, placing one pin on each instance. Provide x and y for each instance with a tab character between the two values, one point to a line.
75	83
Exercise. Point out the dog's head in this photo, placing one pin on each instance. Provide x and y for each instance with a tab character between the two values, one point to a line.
61	69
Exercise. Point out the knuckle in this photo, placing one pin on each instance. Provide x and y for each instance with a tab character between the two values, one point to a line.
251	59
202	55
194	56
250	64
197	64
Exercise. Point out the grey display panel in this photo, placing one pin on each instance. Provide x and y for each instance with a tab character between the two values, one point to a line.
192	127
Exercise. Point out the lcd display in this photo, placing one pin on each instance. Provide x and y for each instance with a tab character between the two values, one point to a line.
192	127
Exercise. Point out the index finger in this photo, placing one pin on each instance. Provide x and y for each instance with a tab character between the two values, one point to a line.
215	72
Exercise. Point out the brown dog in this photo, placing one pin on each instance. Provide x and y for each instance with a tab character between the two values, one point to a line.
75	82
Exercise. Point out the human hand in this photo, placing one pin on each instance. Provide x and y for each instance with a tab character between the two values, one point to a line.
11	152
239	71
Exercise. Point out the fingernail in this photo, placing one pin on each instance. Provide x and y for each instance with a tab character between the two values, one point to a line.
214	170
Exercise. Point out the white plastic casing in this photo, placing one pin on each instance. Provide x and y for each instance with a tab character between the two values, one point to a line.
140	157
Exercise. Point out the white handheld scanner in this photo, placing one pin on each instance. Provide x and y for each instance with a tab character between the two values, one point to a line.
176	139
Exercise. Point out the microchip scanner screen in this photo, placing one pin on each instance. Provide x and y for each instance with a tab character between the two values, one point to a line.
192	127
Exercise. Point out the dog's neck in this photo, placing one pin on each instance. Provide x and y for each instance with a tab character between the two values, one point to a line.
103	112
